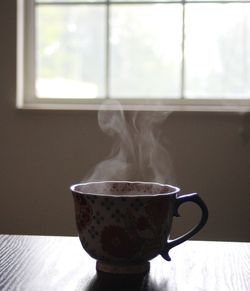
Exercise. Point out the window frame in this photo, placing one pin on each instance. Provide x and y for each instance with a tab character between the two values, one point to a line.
26	98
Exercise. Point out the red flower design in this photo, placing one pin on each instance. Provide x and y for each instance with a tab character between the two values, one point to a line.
83	213
117	242
157	209
142	223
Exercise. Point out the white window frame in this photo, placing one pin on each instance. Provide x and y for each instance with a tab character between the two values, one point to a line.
26	98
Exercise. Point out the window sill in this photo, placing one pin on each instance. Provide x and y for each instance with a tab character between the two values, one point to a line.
200	105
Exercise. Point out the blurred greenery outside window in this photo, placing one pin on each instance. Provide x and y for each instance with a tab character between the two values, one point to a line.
78	53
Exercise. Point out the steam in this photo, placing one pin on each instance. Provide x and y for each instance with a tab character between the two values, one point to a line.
138	153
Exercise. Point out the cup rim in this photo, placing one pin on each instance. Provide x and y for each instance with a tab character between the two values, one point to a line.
173	189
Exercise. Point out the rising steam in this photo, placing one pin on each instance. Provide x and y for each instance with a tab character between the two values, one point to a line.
138	153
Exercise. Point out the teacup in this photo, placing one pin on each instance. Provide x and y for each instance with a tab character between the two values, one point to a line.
123	225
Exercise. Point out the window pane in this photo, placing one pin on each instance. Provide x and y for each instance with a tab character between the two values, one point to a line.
178	1
217	50
70	51
146	50
74	1
66	1
218	1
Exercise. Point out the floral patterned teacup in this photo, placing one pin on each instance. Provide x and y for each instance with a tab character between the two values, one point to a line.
125	224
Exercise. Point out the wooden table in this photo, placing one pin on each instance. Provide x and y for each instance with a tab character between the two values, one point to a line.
60	263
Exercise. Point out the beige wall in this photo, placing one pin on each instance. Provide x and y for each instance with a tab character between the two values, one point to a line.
43	152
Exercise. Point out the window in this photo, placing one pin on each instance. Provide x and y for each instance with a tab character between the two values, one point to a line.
182	54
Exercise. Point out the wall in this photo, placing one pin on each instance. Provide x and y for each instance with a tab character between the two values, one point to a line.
43	152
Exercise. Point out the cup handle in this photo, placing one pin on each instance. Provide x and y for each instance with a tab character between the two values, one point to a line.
193	197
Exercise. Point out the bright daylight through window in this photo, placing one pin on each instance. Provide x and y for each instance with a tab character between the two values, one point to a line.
73	53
